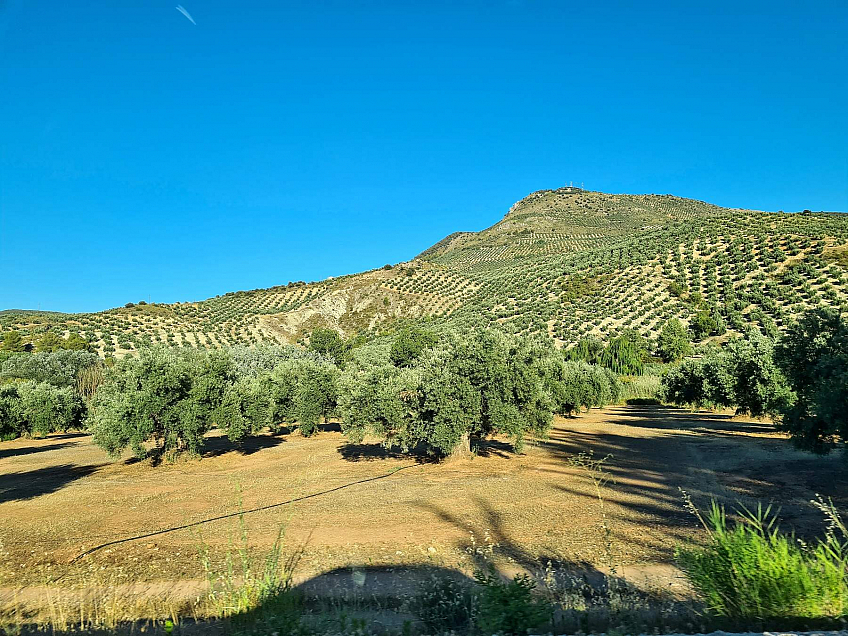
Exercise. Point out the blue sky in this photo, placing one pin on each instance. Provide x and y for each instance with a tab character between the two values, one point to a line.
142	155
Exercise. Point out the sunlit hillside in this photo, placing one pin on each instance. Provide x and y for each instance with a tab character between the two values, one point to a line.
563	262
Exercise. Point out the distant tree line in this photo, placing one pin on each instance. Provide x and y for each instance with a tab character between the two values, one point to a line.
14	342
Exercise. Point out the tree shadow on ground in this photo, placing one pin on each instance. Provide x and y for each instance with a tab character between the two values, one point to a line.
24	485
75	435
494	448
592	599
221	445
669	417
29	450
421	453
377	452
583	597
711	456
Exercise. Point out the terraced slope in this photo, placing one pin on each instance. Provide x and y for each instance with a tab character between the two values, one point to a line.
563	262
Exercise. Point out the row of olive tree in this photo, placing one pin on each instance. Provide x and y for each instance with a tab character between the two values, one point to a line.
460	389
416	391
801	379
173	397
444	394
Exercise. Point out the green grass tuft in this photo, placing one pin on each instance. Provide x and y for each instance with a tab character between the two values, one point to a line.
753	571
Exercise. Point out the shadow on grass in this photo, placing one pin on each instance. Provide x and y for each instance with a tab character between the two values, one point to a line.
221	445
25	485
29	450
494	448
376	452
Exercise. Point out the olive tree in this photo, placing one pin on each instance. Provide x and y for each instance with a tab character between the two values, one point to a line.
154	398
743	374
673	342
467	387
38	408
813	355
573	385
409	344
60	368
303	392
759	386
12	423
699	383
381	400
245	408
329	344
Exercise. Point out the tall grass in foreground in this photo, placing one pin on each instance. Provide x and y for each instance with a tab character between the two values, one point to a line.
250	592
753	571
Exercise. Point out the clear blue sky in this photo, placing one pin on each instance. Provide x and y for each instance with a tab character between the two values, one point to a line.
142	154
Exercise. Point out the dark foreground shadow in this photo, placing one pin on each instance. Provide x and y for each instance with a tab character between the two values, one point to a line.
29	484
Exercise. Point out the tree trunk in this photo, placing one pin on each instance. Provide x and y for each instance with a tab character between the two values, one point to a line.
463	448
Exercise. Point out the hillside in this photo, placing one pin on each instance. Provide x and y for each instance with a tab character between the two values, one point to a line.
563	262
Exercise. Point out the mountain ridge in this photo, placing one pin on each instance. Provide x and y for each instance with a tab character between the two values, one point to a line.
566	262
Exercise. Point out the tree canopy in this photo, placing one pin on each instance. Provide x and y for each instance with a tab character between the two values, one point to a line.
813	355
673	342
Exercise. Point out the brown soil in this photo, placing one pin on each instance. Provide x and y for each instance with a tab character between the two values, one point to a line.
351	506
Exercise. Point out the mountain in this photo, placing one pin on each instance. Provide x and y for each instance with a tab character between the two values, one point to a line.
565	262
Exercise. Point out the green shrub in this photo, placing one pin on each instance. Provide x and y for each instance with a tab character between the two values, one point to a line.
444	604
508	607
753	571
641	389
13	341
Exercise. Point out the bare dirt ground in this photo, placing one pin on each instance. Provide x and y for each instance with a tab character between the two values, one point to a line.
358	506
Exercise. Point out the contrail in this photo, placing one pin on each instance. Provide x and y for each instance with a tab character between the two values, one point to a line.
182	10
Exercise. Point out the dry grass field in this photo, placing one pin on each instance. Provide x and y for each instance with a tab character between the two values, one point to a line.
360	506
